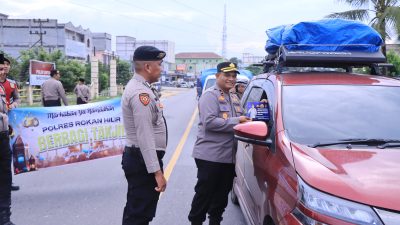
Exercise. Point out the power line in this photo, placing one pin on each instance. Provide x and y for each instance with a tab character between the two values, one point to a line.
40	32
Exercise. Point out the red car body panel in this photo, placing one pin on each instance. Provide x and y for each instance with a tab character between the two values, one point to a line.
269	186
368	176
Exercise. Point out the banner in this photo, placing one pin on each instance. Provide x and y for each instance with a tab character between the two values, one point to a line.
39	71
53	136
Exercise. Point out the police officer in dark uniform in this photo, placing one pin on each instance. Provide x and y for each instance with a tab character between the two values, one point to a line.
214	150
146	138
5	155
12	95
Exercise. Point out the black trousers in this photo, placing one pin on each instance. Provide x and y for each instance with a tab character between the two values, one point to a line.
214	182
50	103
79	101
5	171
141	199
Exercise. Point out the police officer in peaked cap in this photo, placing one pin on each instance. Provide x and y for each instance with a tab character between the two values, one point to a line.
214	150
5	155
146	138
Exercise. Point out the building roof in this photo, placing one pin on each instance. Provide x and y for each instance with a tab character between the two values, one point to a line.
197	55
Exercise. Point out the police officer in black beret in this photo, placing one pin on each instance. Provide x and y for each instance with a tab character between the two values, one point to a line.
146	138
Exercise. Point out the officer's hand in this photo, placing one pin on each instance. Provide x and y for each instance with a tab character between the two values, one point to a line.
243	119
161	182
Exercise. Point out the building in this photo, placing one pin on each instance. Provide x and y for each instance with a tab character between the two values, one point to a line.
249	59
23	34
102	47
127	45
192	63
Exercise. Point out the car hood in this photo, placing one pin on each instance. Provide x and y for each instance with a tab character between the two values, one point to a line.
370	176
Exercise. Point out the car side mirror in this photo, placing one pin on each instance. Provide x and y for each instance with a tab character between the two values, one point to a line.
254	132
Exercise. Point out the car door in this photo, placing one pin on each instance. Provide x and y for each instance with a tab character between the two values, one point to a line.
252	160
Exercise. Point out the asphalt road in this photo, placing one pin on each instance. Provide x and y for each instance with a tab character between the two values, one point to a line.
93	192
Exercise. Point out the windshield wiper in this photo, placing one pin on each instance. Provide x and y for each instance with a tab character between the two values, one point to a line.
371	141
392	143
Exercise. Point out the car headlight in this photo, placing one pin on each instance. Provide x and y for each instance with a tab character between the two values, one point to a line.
336	207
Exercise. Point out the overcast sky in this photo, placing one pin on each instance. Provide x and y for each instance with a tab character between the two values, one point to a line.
192	25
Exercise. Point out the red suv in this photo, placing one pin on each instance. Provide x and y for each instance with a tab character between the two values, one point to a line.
328	152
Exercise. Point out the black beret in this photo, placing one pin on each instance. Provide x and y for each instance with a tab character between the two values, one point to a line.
2	59
227	67
148	53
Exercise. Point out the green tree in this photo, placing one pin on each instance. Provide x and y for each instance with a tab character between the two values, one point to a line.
15	67
386	15
71	71
37	54
104	76
255	69
124	72
394	59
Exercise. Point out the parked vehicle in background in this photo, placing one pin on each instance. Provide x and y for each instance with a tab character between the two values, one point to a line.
183	84
208	79
324	146
157	85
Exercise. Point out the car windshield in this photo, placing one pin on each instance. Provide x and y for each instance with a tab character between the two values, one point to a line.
325	113
210	83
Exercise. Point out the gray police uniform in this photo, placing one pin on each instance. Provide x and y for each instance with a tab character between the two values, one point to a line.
146	140
82	94
52	91
5	161
214	153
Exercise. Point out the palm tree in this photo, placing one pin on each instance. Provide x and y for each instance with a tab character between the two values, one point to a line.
386	15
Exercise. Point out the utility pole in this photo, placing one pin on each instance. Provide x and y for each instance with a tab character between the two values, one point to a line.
40	32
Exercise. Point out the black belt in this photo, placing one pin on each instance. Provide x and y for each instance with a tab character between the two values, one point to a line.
136	151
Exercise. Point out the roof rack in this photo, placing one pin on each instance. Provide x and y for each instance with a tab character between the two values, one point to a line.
304	58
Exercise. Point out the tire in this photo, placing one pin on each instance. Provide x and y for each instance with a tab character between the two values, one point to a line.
234	197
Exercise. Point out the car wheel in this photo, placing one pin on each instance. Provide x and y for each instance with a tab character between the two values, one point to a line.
234	197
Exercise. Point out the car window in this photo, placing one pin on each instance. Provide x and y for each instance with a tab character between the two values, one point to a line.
323	113
256	105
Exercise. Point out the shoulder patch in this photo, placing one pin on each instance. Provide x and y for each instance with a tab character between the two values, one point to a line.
144	98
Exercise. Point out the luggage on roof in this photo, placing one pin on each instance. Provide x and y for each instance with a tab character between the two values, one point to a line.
324	35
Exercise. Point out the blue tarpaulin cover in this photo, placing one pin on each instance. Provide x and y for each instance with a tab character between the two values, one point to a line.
324	35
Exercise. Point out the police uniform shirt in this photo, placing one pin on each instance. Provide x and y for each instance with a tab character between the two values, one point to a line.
3	110
218	113
12	95
53	89
143	121
82	91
